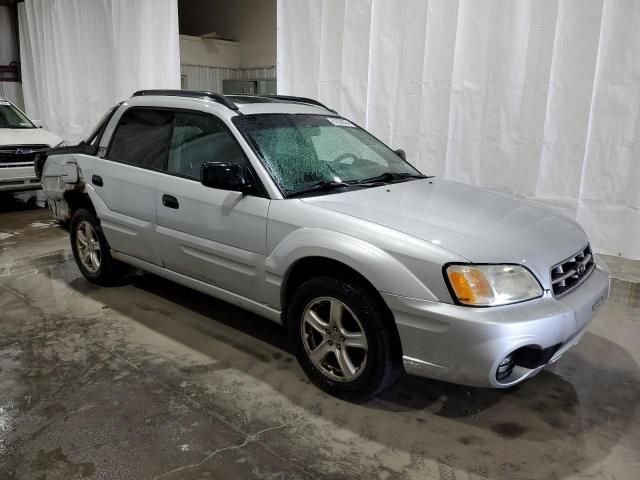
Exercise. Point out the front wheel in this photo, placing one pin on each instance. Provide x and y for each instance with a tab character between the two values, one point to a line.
91	250
344	337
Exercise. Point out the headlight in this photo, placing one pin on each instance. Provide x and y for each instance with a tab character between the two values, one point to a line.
491	285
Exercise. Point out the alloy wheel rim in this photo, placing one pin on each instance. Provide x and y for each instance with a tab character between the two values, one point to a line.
88	246
334	339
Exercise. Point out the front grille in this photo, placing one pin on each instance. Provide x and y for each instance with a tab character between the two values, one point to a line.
16	165
567	275
20	153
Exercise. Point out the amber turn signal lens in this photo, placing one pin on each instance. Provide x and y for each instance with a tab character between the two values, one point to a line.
470	285
461	287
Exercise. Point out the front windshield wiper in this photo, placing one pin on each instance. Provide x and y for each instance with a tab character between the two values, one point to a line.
383	179
387	177
323	186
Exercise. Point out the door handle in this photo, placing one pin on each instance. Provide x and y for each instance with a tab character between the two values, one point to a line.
170	201
96	180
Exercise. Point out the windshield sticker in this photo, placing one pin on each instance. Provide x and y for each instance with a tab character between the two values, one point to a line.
340	122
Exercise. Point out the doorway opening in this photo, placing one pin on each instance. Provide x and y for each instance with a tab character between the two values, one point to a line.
228	46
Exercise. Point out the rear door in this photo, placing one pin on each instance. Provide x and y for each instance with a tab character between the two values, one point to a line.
216	236
126	179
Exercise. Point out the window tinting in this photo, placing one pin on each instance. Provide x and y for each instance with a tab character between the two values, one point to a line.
142	137
198	139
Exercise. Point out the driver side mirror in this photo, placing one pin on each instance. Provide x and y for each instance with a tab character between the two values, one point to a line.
224	176
402	154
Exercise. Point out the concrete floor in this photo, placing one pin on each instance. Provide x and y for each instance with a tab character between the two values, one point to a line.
151	380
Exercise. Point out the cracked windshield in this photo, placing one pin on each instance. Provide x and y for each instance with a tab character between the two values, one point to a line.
305	151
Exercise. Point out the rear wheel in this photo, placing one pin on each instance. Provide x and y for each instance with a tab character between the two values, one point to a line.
91	250
343	337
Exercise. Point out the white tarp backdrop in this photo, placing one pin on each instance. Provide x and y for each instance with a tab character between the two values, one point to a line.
539	98
79	58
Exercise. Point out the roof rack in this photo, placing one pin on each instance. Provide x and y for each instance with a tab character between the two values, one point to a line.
308	100
216	97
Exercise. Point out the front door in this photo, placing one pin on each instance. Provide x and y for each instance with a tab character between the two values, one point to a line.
216	236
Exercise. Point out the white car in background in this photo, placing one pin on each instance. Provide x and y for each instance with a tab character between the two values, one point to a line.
20	141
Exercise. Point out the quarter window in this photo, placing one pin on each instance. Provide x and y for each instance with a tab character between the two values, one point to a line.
142	138
199	139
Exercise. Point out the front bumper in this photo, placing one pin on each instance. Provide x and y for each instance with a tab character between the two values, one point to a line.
18	176
466	345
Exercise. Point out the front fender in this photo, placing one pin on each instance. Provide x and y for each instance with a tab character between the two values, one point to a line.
385	272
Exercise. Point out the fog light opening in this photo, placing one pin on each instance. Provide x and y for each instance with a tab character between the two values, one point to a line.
505	368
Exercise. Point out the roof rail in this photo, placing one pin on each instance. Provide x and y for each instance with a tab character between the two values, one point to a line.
216	97
308	100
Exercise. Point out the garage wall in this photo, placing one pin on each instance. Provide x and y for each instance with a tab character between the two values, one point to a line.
80	58
205	63
211	78
208	52
536	98
8	54
7	37
250	22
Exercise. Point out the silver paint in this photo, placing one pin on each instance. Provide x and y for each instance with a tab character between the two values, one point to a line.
242	248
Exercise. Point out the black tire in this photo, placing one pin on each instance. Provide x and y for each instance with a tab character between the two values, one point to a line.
110	271
383	364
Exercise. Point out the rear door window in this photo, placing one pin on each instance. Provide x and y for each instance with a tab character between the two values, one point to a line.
142	138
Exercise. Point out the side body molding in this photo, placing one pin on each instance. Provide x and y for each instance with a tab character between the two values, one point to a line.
385	272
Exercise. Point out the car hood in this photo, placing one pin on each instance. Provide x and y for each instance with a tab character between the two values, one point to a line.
28	136
478	225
